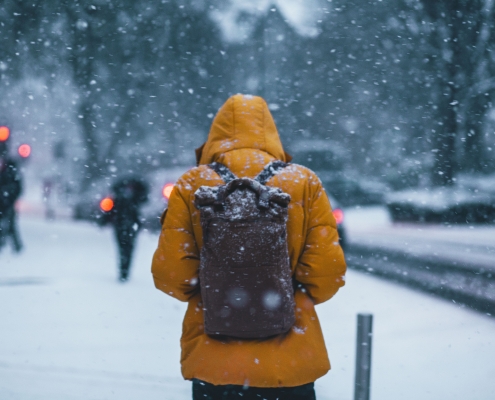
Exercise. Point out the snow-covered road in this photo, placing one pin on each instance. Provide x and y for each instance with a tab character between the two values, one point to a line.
69	330
468	245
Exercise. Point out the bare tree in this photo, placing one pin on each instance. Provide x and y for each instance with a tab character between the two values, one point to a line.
458	47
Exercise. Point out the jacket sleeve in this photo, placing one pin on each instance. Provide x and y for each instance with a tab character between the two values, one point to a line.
321	267
176	260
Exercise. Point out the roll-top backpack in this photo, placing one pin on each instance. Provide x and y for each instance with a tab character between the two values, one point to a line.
245	274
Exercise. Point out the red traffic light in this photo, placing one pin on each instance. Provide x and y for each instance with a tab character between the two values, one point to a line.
106	204
24	150
4	133
167	190
338	215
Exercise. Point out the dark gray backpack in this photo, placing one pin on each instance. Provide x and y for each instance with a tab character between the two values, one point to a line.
245	274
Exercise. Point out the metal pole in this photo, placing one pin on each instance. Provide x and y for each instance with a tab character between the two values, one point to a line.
363	357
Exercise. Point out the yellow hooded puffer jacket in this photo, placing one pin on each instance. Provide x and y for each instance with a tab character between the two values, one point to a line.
243	136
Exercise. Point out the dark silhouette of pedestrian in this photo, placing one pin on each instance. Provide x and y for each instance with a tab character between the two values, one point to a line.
10	190
129	194
48	185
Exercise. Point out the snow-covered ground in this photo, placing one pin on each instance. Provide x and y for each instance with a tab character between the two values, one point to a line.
69	330
469	245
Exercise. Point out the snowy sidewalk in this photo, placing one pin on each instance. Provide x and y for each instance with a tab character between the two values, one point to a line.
70	331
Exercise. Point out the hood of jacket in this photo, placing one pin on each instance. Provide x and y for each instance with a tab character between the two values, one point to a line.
244	121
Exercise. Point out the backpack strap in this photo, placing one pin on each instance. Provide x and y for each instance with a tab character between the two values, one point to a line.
222	171
270	171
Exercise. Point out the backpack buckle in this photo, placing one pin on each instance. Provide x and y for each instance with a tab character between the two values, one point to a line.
264	199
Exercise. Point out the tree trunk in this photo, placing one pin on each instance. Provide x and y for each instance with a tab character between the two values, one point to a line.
474	159
92	163
82	61
445	139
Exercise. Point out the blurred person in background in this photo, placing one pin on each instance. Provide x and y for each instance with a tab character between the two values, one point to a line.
129	194
48	185
10	190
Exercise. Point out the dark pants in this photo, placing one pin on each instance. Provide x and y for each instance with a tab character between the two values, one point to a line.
8	228
207	391
126	238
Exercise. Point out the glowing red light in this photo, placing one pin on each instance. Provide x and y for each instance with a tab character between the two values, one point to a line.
24	150
106	204
338	215
167	190
4	133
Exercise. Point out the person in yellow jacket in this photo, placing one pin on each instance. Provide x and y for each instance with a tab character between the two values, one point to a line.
244	138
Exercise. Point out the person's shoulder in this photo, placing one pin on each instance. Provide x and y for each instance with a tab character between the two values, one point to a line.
13	168
302	173
195	177
142	185
11	163
196	174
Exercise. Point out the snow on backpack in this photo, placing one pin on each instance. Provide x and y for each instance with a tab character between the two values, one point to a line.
245	274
